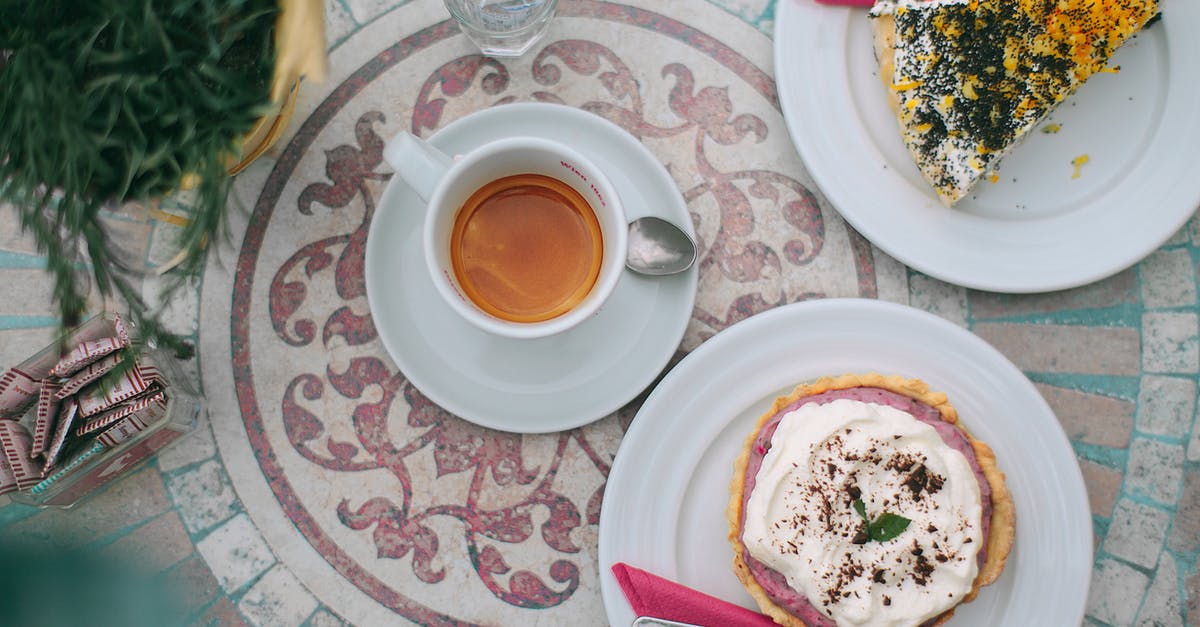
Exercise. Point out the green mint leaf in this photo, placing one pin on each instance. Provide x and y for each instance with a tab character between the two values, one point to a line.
886	527
861	508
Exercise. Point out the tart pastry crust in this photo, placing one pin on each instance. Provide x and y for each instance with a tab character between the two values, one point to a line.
1003	521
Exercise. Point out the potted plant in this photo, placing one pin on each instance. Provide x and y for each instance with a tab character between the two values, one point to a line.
110	102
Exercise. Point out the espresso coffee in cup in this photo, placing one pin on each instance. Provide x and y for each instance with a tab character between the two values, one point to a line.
526	248
523	237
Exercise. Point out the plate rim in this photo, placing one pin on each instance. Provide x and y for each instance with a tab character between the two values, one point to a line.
561	421
1020	270
1072	486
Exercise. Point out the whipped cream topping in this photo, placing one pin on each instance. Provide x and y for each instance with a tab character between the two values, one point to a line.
801	522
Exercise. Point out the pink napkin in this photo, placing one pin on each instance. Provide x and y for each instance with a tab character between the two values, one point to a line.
651	595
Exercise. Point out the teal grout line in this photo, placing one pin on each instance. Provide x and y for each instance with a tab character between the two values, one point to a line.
120	217
27	322
769	13
10	260
1122	387
1145	501
154	226
1115	316
183	470
1116	459
1101	554
1164	439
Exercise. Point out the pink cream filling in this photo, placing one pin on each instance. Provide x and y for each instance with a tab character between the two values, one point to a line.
774	583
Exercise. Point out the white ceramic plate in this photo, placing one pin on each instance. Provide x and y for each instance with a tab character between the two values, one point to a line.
664	505
547	384
1037	229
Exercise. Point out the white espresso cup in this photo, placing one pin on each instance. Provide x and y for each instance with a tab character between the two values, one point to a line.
453	185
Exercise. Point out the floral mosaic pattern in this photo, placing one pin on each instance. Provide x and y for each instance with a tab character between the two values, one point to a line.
315	299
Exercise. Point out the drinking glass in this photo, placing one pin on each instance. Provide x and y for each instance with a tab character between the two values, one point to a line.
503	28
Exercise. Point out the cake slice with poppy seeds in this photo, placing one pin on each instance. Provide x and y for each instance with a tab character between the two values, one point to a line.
968	79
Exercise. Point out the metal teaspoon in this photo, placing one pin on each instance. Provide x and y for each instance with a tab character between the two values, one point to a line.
658	247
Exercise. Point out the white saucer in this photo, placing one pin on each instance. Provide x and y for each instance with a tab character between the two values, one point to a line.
548	384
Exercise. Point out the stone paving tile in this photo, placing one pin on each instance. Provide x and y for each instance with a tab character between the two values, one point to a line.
338	22
236	552
1193	452
1136	534
1103	486
324	618
1166	405
1190	233
1185	531
748	9
25	292
177	313
203	495
1155	470
1171	345
1119	289
162	244
1091	418
364	11
1181	237
16	345
193	584
129	500
1191	591
11	237
1168	279
948	302
155	546
222	614
1064	348
1162	606
194	447
278	599
128	226
1116	592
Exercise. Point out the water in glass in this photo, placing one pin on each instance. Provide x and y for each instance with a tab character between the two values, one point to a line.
503	28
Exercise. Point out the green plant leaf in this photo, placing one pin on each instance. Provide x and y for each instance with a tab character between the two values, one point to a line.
112	101
886	527
861	508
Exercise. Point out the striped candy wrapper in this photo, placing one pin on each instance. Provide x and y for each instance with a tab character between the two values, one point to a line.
89	374
135	422
85	354
91	349
8	481
15	441
132	383
47	410
66	418
18	390
98	422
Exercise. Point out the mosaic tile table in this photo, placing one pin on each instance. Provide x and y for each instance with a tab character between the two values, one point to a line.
324	489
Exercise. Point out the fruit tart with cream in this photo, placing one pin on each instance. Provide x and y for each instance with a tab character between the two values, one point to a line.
860	500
